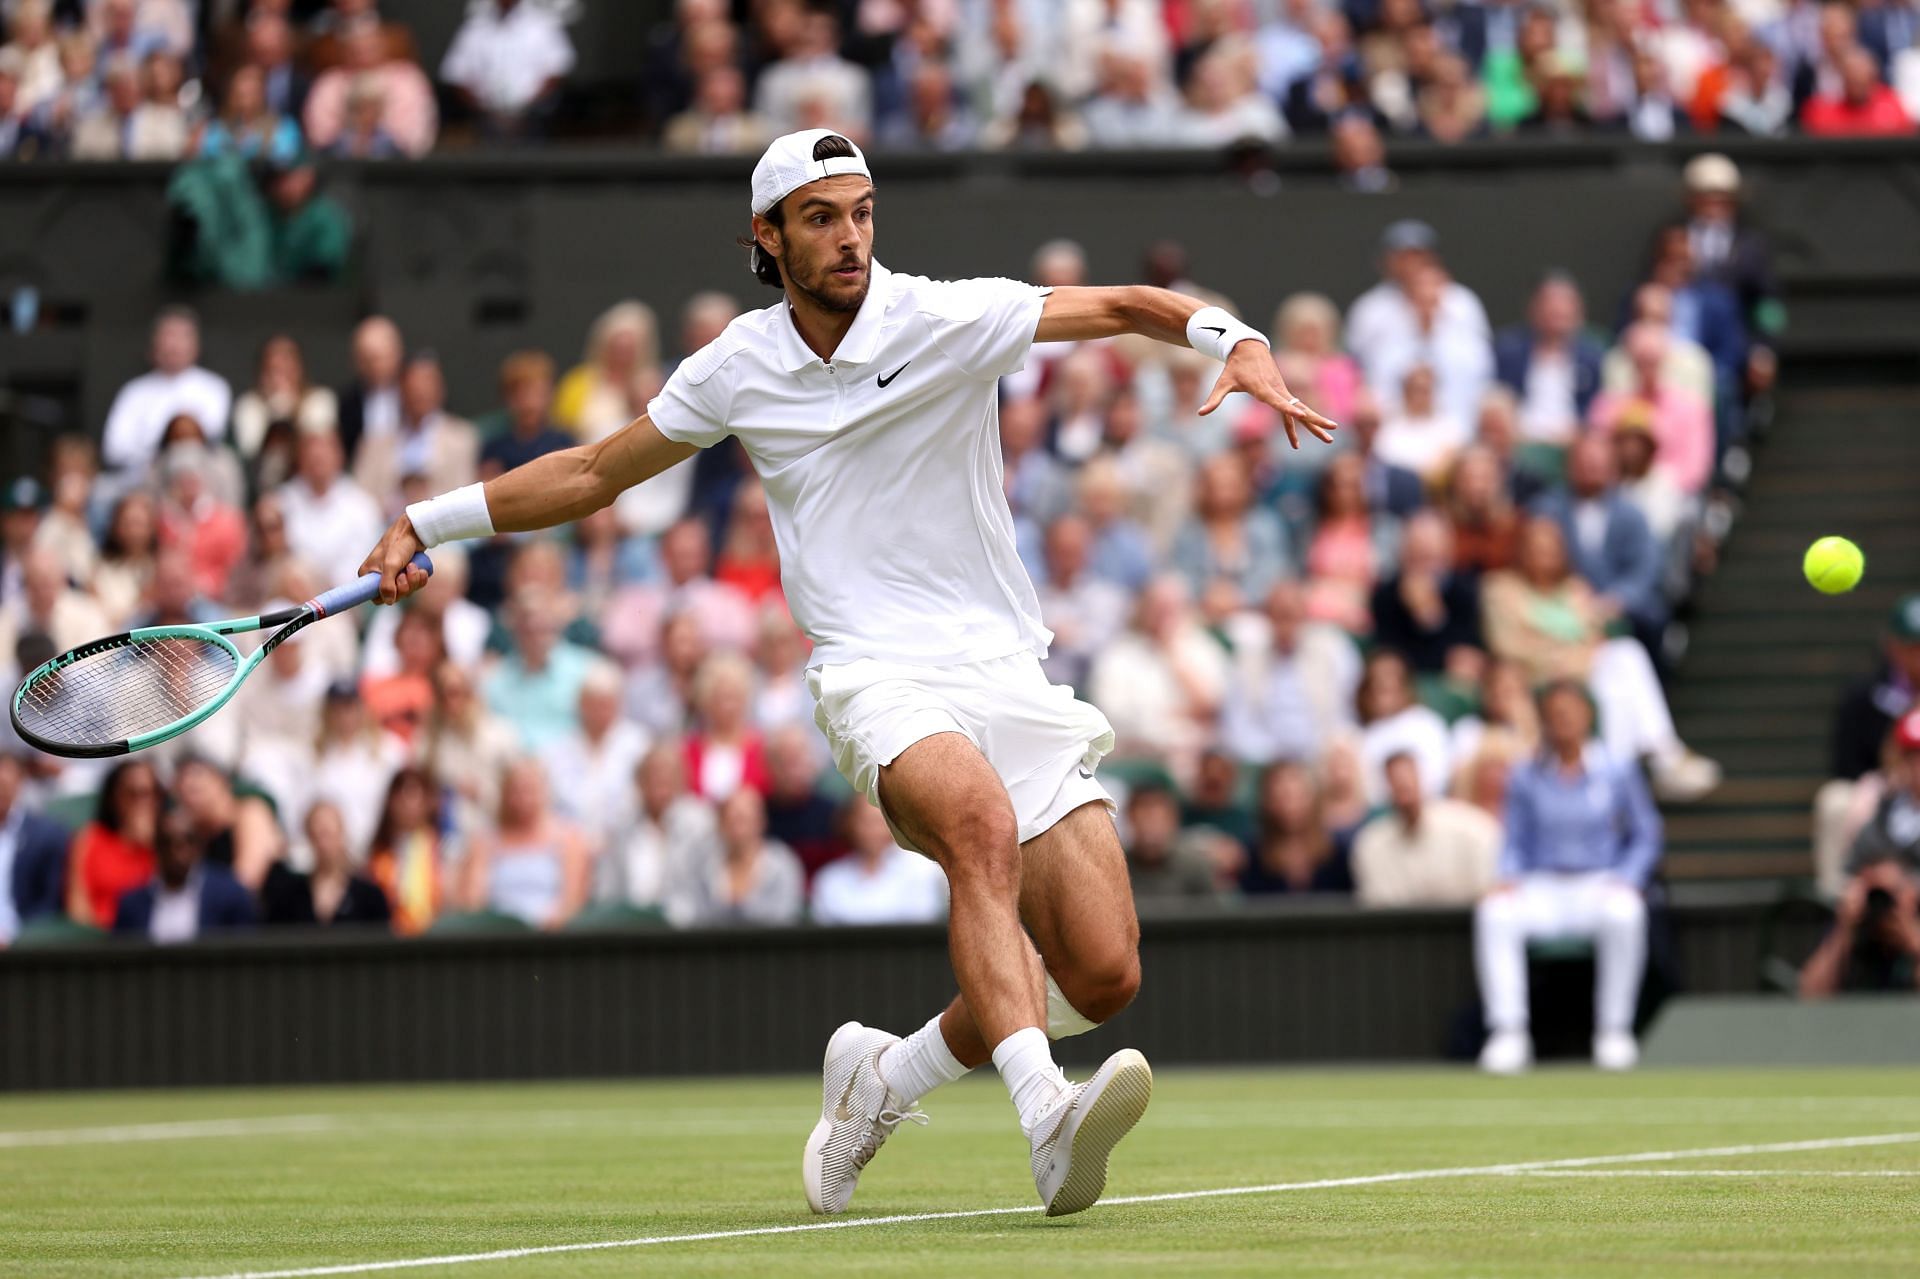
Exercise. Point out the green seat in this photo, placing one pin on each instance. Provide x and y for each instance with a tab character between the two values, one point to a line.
477	923
616	917
71	811
1445	698
1560	948
51	932
833	787
1136	772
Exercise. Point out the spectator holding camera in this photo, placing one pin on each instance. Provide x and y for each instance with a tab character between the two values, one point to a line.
1875	940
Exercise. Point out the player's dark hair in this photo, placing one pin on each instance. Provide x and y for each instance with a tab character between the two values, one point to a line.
766	269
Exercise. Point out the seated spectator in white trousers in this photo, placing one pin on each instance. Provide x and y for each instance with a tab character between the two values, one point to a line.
1582	838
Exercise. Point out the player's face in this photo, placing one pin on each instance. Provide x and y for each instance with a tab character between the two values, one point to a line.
826	244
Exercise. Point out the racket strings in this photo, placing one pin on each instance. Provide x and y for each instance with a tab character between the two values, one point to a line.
123	692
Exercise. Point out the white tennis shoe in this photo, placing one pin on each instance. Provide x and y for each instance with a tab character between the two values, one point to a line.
858	1112
1615	1050
1507	1052
1070	1163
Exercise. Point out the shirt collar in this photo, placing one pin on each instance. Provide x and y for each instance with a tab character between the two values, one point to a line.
1593	758
861	341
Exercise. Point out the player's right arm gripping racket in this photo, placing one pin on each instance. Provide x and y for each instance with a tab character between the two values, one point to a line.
134	690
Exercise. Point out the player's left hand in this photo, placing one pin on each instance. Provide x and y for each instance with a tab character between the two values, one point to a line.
1250	368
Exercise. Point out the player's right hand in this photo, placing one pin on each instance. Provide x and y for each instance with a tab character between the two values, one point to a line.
392	560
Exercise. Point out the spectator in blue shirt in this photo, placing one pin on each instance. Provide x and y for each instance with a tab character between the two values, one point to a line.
526	383
33	852
1582	839
1610	542
1552	364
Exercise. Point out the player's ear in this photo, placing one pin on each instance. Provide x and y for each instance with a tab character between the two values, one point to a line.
767	236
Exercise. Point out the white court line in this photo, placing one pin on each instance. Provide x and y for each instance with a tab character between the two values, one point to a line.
1720	1172
274	1126
855	1223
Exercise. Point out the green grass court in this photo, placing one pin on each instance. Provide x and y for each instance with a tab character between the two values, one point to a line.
219	1183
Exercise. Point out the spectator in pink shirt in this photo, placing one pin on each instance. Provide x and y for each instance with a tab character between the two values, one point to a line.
212	533
1682	421
409	115
632	627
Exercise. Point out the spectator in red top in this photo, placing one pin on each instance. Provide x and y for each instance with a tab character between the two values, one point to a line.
212	533
725	751
399	703
749	561
113	853
1863	106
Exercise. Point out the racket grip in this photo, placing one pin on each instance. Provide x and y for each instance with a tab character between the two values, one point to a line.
354	594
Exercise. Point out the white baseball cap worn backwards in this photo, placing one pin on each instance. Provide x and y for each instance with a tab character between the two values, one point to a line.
788	165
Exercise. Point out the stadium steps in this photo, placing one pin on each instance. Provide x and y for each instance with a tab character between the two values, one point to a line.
1768	657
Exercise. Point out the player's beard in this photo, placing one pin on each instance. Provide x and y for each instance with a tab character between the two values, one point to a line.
841	303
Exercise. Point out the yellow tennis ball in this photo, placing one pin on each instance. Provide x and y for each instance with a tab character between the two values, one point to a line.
1833	565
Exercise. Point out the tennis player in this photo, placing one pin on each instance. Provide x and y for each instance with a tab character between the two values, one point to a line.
867	402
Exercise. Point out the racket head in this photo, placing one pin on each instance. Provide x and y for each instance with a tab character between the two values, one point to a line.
126	692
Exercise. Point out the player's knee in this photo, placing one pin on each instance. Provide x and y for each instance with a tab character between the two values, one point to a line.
982	849
1496	911
1099	987
1623	911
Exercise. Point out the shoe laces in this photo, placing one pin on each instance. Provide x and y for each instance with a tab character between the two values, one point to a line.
884	1123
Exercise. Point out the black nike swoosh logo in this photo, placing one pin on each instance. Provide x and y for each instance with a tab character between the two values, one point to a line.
1086	773
896	373
1210	328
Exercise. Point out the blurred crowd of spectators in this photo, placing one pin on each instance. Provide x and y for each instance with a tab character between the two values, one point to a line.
1320	665
164	79
265	80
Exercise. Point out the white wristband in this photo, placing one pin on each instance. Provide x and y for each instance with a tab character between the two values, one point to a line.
1214	332
452	517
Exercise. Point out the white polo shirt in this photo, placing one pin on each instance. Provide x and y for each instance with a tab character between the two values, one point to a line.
882	467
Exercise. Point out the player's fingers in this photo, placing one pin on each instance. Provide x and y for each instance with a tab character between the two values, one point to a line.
1321	426
393	571
1322	429
1293	438
1220	389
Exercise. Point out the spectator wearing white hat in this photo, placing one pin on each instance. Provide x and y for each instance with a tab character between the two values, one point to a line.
1727	250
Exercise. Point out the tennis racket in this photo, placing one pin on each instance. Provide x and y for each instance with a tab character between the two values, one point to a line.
134	690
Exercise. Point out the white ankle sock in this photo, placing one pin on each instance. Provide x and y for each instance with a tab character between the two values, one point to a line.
1025	1061
920	1063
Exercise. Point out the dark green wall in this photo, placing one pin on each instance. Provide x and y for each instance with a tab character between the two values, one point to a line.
479	255
1291	983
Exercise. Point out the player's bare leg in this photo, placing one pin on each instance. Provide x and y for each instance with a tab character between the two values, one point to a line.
943	796
1078	905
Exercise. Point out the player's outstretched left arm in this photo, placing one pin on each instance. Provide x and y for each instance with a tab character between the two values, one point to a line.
1082	314
566	485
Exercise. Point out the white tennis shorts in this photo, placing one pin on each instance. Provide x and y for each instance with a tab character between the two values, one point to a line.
1043	741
